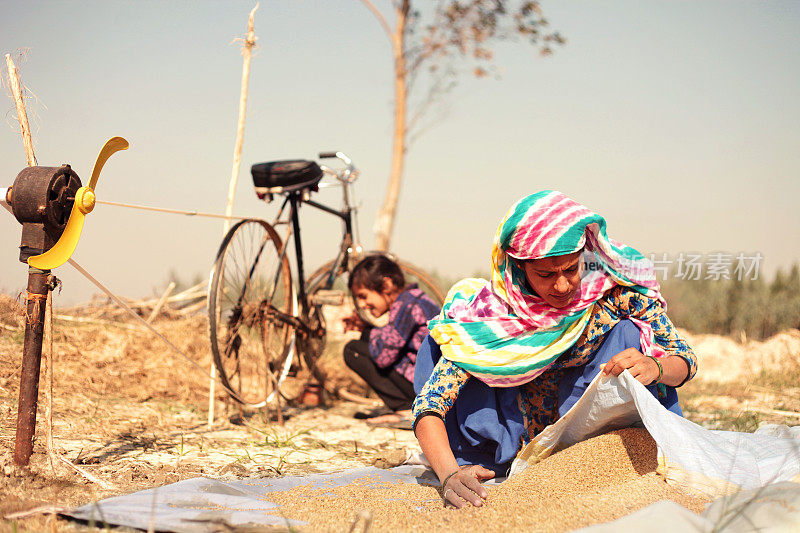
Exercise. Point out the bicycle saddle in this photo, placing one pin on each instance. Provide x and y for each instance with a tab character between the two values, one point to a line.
285	176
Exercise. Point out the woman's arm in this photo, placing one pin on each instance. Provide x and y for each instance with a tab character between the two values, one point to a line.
432	437
437	394
677	368
459	483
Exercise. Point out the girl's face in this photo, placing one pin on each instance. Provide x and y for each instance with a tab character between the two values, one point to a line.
555	279
377	303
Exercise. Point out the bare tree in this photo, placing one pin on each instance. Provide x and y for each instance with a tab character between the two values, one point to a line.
457	30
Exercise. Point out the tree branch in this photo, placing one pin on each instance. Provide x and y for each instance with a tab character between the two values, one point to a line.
439	87
380	17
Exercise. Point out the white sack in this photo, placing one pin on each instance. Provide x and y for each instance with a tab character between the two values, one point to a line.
699	461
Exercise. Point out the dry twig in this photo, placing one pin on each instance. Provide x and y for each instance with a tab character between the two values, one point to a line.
50	509
16	90
161	302
84	473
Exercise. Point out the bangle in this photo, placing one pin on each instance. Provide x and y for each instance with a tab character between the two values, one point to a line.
660	369
451	474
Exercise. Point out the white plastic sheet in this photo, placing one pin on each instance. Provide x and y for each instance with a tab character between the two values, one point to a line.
703	462
747	474
204	505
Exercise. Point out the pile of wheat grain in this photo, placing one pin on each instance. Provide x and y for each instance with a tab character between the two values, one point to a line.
595	481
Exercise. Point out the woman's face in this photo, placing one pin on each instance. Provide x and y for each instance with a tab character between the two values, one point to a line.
555	279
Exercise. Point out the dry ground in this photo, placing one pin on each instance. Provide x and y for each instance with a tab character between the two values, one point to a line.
133	415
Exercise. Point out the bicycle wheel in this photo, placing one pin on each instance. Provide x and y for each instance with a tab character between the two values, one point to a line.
250	288
415	274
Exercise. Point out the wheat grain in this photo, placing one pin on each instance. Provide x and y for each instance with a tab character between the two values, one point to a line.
595	481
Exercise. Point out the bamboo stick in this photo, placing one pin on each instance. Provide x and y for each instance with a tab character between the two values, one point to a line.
247	48
189	309
249	43
183	296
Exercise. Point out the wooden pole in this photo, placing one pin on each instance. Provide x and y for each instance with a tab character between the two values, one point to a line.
247	48
22	115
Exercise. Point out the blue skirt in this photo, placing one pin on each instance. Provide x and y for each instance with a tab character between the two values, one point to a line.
485	424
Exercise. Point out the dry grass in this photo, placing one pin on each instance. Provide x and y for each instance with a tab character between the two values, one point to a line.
740	385
132	413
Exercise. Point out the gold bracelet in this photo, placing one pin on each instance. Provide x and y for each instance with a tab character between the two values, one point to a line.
660	370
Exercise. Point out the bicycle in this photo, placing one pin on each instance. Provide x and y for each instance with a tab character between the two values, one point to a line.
260	317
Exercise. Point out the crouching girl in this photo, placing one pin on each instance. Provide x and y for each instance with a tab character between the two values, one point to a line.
385	357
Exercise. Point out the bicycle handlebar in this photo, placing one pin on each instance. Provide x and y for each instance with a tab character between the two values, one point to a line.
347	174
339	155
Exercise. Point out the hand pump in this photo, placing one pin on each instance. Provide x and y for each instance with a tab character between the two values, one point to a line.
51	205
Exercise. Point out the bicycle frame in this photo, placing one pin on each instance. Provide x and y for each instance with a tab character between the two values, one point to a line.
293	200
272	309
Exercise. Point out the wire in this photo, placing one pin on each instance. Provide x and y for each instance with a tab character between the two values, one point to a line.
125	306
174	211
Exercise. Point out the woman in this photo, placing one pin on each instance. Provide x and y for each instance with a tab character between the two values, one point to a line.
506	358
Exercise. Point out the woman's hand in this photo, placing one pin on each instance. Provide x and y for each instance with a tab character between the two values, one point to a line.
643	368
353	322
465	484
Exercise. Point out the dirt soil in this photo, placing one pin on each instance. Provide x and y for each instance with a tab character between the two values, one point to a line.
133	415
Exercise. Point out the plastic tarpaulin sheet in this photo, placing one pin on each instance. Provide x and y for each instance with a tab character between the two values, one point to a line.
749	475
704	462
202	504
205	505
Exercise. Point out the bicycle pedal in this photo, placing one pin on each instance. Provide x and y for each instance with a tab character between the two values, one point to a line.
328	297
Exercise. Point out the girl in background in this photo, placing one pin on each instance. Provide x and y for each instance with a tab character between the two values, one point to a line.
385	357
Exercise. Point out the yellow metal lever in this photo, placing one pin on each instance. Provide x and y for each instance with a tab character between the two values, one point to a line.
84	203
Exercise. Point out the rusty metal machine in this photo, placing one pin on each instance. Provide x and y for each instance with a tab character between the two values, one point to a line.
51	204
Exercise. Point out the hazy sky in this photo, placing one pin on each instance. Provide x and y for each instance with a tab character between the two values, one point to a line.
678	121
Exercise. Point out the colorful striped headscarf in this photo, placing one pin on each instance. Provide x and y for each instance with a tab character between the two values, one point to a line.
506	335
